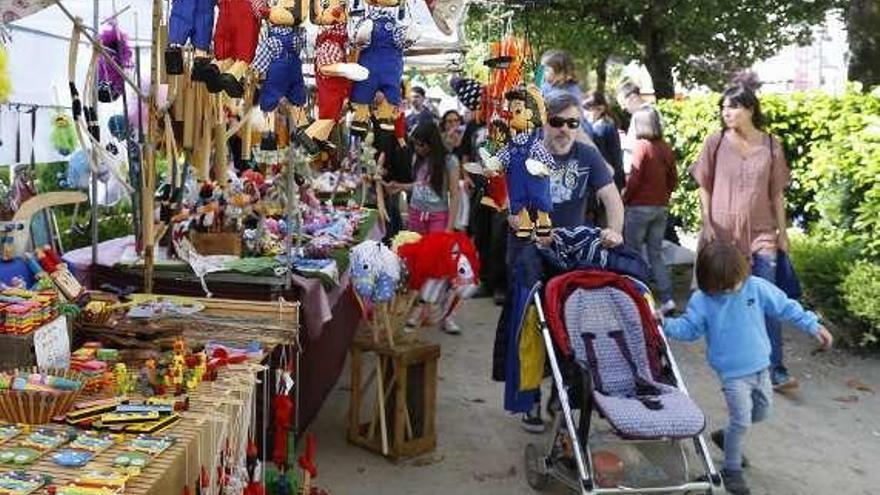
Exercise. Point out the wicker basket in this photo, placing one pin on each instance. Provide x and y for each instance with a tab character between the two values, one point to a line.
37	407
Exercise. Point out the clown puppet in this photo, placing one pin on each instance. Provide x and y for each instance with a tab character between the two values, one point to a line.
381	40
333	73
526	163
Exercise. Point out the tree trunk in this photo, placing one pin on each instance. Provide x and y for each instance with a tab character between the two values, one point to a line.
601	74
863	17
659	65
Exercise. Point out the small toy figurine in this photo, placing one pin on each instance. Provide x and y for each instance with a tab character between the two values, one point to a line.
120	376
176	369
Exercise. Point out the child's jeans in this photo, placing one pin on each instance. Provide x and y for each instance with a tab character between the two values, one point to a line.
749	400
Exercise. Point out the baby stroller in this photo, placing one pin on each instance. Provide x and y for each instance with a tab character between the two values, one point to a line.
614	362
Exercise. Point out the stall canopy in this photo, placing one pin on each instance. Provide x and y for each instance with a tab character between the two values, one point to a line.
38	60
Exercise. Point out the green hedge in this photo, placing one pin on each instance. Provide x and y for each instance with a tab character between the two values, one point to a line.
832	143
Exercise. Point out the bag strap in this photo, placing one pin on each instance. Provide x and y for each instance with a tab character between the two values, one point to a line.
646	391
592	362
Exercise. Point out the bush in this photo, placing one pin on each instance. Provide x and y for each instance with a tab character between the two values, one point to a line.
861	293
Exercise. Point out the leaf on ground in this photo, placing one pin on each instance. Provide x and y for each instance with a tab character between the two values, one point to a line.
856	384
847	399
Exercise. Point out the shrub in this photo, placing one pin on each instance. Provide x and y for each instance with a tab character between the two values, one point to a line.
861	294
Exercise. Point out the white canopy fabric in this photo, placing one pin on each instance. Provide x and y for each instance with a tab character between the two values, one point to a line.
38	58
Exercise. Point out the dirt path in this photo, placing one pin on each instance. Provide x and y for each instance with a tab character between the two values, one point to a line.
824	438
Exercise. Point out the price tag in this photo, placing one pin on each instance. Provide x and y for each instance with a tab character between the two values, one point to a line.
52	345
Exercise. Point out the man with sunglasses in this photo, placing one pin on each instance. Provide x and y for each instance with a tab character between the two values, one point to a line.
579	167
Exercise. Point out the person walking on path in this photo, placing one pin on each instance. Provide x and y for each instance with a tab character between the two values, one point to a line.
730	310
646	197
742	175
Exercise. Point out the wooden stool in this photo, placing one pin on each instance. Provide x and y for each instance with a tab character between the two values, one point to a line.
407	385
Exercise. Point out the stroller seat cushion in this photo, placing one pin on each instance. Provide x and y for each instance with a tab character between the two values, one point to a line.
637	417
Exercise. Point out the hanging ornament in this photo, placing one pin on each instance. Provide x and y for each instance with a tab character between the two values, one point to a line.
111	84
63	135
5	80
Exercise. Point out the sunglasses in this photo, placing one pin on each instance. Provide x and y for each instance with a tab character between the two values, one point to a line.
558	122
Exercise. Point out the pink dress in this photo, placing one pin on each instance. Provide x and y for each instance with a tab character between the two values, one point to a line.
742	189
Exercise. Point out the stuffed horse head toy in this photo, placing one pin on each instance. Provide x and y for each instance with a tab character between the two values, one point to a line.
375	271
439	262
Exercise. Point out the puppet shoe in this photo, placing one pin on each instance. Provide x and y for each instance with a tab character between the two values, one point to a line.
173	61
231	85
213	82
299	137
386	125
359	128
320	130
203	70
352	72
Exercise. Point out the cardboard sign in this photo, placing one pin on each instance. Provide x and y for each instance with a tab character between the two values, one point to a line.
52	345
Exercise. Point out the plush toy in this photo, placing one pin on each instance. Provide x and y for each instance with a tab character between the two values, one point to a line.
526	163
333	74
63	135
111	84
375	271
381	40
235	41
193	21
5	80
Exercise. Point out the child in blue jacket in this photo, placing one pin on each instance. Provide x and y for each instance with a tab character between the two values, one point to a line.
729	310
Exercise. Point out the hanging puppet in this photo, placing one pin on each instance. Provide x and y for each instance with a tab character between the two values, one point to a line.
111	83
193	21
63	136
235	41
381	40
526	163
278	61
333	73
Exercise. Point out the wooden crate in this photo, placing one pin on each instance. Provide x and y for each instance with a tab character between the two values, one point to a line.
208	243
403	423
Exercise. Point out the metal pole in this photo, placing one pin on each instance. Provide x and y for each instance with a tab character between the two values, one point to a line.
93	103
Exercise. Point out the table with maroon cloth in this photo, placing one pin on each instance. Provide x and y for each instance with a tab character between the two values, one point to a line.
330	316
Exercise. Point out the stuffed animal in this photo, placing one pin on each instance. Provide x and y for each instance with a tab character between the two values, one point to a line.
375	271
193	21
381	40
111	83
63	135
526	163
235	41
333	74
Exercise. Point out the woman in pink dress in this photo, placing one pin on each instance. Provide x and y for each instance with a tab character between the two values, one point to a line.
742	174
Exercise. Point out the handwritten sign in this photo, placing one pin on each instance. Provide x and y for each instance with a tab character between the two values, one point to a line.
52	344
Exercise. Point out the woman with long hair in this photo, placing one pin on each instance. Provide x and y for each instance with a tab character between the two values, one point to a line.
646	197
559	74
434	192
743	174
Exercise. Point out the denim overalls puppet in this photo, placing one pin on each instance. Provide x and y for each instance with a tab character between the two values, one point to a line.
333	73
526	163
193	21
278	60
381	40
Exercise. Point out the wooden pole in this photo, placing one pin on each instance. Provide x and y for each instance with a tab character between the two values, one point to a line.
149	169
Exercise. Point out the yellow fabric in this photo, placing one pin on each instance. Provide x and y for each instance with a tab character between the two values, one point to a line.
531	353
5	81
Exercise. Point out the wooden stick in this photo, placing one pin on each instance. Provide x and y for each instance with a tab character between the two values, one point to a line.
149	169
383	425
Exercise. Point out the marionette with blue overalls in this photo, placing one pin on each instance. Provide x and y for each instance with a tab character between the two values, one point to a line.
278	62
190	21
526	163
333	73
381	40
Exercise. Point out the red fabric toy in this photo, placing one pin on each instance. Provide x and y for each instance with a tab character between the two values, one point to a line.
284	411
434	256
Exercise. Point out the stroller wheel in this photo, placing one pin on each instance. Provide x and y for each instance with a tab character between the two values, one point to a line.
536	468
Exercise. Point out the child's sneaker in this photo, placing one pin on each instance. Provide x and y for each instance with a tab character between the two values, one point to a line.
735	482
717	437
532	421
451	327
781	380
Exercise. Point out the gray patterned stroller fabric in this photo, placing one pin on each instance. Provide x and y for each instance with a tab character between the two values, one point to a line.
607	338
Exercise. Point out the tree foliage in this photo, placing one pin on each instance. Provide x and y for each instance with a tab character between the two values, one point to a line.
700	41
862	21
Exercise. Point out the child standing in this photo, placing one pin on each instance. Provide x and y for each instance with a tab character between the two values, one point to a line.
729	310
